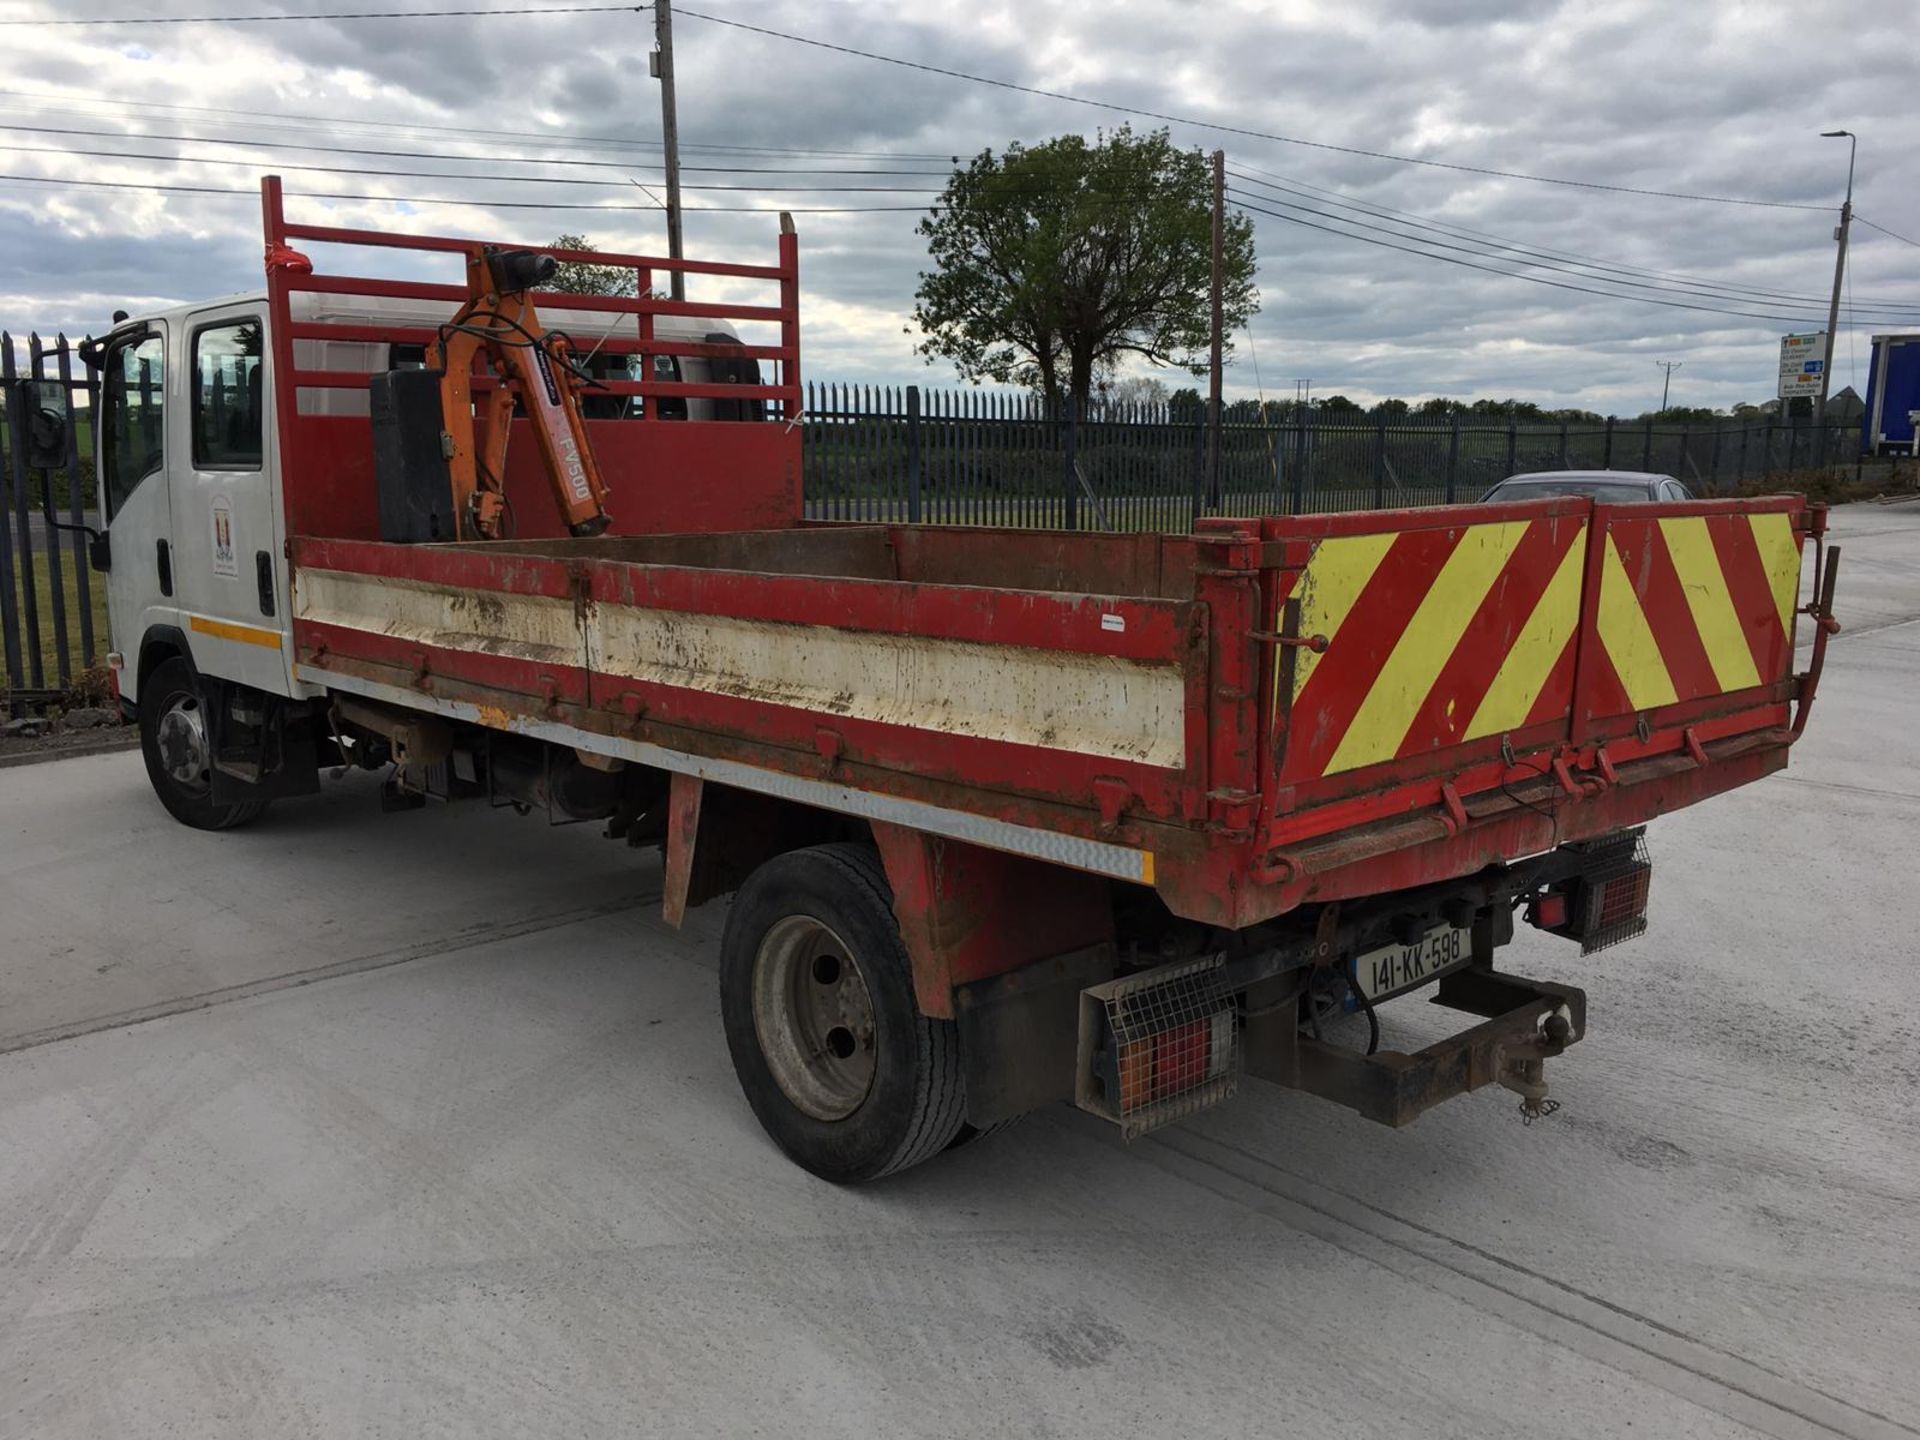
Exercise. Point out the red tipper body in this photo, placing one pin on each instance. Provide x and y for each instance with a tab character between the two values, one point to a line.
1261	714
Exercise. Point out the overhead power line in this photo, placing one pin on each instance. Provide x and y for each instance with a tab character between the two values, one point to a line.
1107	197
1425	254
1604	271
1216	126
1375	207
1627	289
448	200
295	121
379	172
97	20
1891	234
489	158
373	171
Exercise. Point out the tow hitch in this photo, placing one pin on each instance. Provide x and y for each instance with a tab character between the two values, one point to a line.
1527	1023
1523	1066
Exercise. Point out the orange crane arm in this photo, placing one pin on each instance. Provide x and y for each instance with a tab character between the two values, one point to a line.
534	367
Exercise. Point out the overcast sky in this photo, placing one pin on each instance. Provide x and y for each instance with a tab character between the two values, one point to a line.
1706	97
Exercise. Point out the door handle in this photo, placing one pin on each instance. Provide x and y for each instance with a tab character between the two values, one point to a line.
163	556
263	572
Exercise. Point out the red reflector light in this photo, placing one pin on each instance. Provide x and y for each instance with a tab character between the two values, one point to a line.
1182	1058
1549	911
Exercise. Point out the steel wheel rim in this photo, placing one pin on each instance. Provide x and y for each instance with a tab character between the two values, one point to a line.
813	1015
181	739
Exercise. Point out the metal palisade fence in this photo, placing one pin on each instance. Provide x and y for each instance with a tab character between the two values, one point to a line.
979	458
52	604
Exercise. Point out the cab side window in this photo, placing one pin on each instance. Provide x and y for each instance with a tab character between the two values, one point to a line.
228	419
135	397
669	407
596	405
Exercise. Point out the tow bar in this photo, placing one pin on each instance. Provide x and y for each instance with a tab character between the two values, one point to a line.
1528	1023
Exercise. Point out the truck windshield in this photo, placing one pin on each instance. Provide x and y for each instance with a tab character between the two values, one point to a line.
135	401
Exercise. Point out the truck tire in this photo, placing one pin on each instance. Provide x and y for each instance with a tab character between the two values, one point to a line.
971	1134
173	738
816	992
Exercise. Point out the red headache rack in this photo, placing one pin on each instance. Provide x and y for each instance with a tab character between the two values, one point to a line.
724	476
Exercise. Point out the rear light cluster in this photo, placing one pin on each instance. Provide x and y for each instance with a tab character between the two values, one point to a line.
1606	903
1157	1046
1623	899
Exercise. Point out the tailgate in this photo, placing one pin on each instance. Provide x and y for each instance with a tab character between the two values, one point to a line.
1423	657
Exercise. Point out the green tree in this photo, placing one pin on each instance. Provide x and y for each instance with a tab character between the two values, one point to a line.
1052	260
1135	390
1508	409
1339	405
576	277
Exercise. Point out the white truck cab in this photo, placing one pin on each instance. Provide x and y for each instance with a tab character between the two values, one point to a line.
197	585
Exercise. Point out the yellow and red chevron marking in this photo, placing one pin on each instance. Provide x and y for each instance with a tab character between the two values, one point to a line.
1448	634
1693	606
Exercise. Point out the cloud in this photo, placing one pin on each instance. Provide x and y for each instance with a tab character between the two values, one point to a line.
1716	98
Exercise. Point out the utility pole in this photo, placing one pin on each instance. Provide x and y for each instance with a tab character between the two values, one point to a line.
1669	366
1839	270
669	132
1213	368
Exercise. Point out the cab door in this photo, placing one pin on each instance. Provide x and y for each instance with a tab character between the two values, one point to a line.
229	572
134	446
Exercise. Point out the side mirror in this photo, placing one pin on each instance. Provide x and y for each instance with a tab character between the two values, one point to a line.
49	422
100	550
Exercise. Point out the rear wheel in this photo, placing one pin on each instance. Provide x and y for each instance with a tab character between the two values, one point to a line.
816	991
970	1134
175	739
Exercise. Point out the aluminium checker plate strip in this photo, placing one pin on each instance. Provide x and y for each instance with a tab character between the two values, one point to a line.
1120	862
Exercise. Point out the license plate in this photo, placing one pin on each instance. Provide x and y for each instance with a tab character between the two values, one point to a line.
1394	968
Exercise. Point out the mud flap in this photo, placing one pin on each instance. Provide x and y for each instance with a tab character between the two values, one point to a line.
1018	1031
265	747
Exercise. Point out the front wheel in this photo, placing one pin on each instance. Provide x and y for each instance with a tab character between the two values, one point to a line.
816	992
175	738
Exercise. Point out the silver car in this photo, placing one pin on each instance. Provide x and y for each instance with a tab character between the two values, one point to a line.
1611	486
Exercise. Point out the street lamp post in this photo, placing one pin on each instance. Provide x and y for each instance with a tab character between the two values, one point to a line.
1839	270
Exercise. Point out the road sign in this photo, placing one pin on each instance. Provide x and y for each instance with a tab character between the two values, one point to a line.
1802	359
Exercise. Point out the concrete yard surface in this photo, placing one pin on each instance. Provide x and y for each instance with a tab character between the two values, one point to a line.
422	1125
